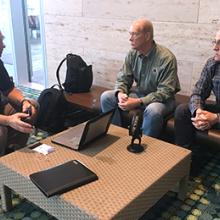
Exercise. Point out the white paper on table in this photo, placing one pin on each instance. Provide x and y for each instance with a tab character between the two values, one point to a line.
44	149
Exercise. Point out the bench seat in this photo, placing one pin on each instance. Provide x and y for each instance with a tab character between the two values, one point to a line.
91	102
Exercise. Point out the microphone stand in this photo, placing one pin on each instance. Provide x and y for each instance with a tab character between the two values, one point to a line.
135	131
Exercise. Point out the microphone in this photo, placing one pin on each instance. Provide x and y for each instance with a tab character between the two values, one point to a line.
135	131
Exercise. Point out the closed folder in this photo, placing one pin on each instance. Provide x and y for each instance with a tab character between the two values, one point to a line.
63	178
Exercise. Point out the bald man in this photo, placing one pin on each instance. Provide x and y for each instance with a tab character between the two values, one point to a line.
198	115
153	70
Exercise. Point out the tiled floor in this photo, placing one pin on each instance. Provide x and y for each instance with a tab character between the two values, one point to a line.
203	197
202	202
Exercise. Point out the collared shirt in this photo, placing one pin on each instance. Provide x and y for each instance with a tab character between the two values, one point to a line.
155	75
208	82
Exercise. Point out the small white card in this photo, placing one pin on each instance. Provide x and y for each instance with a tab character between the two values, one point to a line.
44	149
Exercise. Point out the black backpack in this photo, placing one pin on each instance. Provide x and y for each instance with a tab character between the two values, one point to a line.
51	115
53	105
79	75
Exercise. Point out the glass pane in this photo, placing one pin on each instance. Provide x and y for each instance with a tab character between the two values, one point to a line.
5	27
36	47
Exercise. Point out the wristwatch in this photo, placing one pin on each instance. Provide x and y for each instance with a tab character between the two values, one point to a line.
25	100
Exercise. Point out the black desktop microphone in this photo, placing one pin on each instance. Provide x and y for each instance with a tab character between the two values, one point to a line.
135	131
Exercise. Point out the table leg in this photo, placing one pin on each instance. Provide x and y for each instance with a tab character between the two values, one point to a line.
6	198
183	184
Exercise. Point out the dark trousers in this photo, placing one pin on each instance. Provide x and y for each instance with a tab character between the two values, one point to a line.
183	127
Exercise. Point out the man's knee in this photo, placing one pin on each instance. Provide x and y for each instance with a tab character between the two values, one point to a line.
109	94
153	119
154	110
181	111
108	100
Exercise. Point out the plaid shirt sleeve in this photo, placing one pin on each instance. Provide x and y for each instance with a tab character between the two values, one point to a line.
203	87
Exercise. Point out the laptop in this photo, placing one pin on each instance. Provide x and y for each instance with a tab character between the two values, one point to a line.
78	136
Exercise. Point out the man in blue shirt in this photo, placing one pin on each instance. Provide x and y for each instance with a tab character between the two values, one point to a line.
198	114
14	110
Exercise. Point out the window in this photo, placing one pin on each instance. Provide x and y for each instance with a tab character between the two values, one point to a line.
24	55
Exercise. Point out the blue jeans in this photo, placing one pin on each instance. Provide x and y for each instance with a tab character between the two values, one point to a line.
153	114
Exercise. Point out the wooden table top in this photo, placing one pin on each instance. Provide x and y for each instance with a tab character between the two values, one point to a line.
88	100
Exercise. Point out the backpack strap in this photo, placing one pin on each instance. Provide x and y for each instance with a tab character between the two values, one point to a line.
58	75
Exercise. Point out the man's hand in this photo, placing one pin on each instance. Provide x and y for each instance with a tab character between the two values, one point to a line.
15	121
29	107
122	97
129	104
204	120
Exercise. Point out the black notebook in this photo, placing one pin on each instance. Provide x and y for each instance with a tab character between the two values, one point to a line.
63	178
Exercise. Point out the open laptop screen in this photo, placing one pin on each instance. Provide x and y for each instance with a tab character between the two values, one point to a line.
95	128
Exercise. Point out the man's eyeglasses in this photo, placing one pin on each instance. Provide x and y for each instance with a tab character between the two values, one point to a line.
216	43
135	34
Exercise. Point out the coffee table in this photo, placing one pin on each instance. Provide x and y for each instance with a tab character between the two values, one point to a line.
129	184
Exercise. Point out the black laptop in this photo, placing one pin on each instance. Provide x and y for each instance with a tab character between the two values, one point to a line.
78	136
